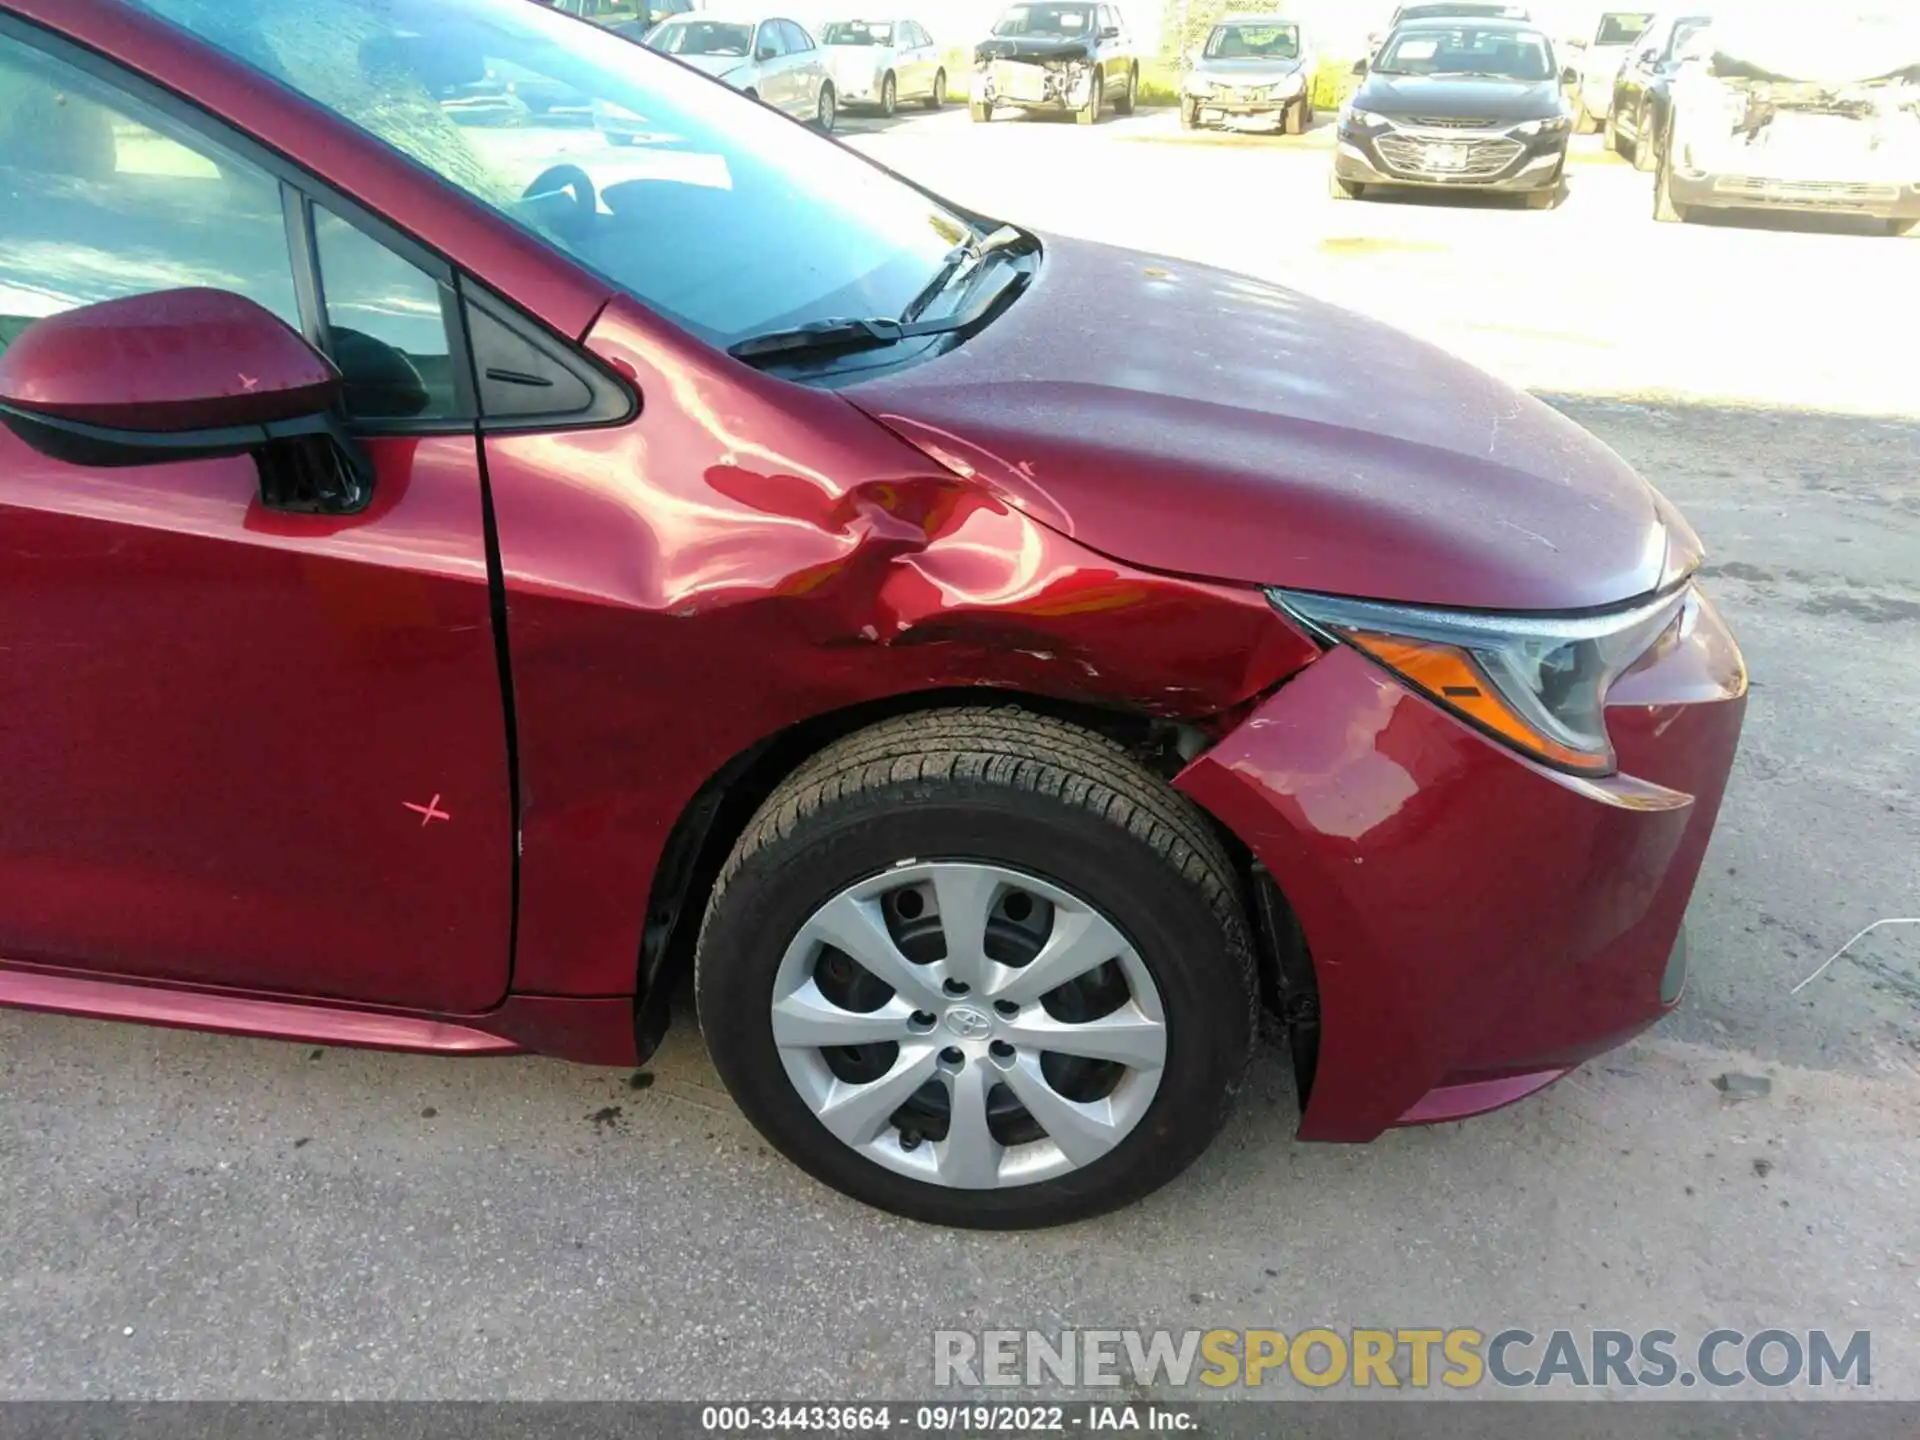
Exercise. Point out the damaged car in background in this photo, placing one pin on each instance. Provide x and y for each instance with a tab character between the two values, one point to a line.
1254	69
1781	110
1063	58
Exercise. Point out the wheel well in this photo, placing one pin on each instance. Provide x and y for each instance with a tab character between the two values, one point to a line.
713	820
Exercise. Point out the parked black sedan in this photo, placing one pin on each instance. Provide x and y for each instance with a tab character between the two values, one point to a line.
1639	115
1459	104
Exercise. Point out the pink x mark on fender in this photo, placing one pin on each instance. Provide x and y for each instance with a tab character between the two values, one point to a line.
428	812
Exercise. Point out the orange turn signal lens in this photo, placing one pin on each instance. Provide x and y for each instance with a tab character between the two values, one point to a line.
1452	677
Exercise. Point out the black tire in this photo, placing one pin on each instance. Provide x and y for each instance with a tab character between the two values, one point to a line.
1610	135
1295	118
1127	103
827	111
1189	114
1646	144
1584	122
938	98
981	113
1023	791
1089	113
1665	208
1340	189
889	96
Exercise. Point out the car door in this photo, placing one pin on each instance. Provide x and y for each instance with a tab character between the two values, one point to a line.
807	69
921	61
771	78
240	746
1639	68
1115	51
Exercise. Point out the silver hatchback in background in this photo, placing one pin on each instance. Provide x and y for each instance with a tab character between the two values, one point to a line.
1254	68
884	63
768	58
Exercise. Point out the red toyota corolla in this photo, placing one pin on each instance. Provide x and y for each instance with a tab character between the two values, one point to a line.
458	574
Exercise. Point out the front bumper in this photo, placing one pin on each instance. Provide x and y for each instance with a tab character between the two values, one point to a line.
1219	108
1493	162
1874	199
1032	87
1478	924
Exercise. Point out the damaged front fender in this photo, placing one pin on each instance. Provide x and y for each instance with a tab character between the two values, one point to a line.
751	554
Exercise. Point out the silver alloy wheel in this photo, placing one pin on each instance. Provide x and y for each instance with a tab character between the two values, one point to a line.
995	1040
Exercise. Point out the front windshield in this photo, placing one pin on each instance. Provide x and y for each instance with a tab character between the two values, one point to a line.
701	37
1070	21
1254	42
1465	50
1622	28
857	32
719	213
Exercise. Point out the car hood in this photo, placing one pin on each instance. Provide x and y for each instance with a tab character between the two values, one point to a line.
1463	98
718	66
1246	72
1189	420
1032	49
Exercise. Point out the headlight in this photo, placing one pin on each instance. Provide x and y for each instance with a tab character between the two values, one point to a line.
1361	119
1537	682
1199	87
1551	126
1292	85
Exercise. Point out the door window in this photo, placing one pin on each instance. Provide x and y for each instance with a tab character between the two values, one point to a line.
798	41
105	197
386	326
770	43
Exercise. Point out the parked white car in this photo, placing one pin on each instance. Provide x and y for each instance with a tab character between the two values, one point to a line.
1598	57
884	63
770	58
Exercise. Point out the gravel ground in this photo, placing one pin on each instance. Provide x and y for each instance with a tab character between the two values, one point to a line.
199	1217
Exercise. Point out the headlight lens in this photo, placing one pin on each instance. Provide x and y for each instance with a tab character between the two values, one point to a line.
1292	85
1362	119
1551	126
1537	682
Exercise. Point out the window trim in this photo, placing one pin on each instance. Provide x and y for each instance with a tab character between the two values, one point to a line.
300	191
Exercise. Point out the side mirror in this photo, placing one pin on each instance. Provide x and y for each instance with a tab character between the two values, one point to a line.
766	52
1112	32
1569	76
185	375
1360	66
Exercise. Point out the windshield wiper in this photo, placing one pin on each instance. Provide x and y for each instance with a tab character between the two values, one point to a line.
964	258
821	339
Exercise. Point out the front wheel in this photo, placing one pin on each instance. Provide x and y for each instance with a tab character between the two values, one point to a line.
889	95
1131	96
827	112
1646	150
1089	113
1189	114
979	968
1585	122
939	96
1295	120
981	113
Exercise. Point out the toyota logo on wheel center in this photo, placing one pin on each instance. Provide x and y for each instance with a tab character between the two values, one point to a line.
968	1023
